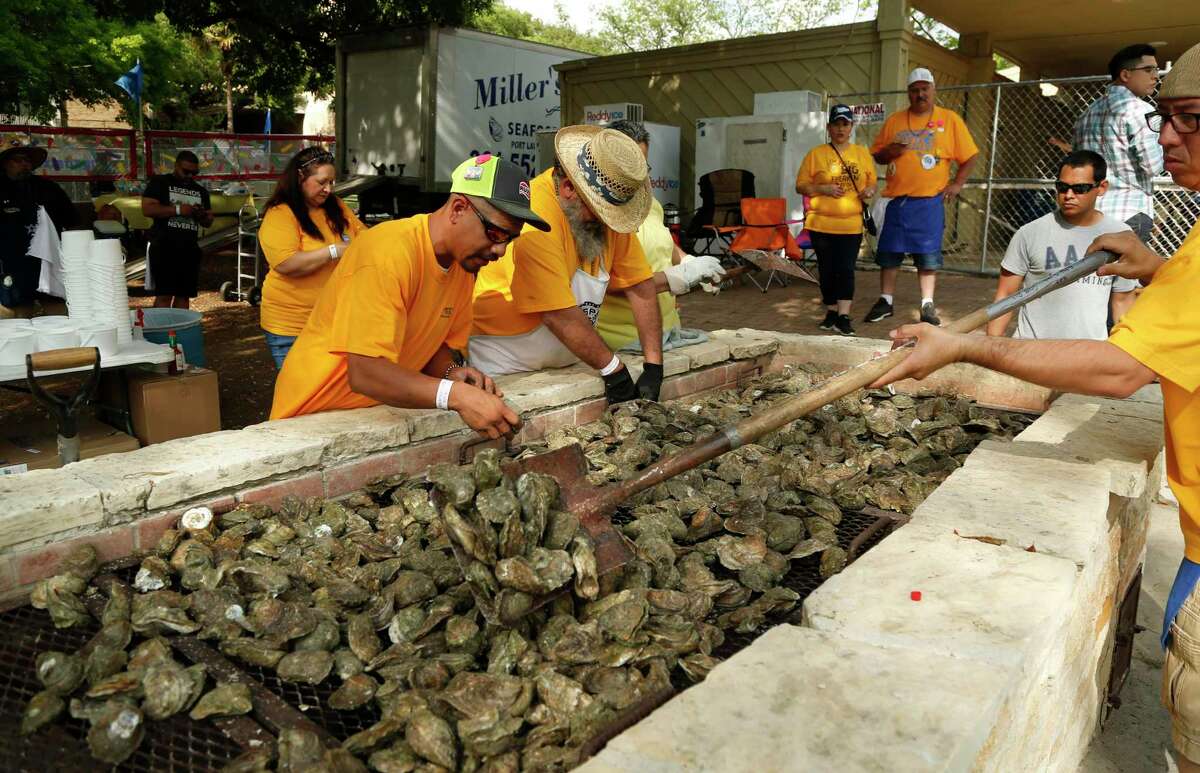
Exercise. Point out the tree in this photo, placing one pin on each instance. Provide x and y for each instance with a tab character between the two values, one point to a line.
49	53
638	26
500	19
635	25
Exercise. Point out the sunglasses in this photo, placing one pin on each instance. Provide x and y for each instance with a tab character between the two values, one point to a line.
1182	123
320	158
1077	188
186	172
494	233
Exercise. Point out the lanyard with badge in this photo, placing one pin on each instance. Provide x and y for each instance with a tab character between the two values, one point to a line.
928	160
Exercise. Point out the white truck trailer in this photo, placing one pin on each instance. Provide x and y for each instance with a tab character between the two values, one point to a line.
413	103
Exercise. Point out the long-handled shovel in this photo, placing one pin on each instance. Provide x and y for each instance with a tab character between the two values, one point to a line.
594	505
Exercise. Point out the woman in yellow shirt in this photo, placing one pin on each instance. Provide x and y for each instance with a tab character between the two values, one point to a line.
305	230
839	176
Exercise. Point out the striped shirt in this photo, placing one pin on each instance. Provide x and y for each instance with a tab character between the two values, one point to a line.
1115	127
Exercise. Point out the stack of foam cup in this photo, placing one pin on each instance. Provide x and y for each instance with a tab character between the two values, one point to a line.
110	296
76	256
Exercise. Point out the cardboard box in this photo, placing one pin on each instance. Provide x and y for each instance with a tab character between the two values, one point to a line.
34	445
165	407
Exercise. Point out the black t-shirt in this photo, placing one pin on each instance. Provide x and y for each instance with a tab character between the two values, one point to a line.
170	190
19	202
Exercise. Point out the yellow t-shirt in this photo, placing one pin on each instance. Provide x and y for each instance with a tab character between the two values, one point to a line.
1162	331
615	323
535	273
388	297
924	169
287	300
822	166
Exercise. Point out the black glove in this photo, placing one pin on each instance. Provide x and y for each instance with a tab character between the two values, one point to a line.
649	384
619	387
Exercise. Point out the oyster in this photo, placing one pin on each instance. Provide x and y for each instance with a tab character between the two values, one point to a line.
305	666
59	672
256	652
299	750
227	699
59	595
170	688
116	732
355	692
431	737
42	709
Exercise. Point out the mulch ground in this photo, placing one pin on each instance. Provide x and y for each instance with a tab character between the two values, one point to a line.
234	346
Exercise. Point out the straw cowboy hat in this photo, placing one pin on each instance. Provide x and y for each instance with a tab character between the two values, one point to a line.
609	171
11	144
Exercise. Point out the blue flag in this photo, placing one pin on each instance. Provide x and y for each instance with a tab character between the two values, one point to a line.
131	82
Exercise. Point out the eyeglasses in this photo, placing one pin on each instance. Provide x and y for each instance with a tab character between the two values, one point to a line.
494	233
1182	123
1146	68
1077	188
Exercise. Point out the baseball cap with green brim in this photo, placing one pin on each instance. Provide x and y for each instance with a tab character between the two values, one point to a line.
502	183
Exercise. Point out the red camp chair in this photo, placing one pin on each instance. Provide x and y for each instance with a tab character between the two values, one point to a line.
765	229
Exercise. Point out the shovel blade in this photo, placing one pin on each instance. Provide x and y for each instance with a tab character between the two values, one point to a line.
767	261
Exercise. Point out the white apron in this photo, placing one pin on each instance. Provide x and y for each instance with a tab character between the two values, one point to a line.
539	348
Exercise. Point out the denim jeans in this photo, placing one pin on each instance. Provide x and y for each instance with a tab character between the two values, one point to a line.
279	346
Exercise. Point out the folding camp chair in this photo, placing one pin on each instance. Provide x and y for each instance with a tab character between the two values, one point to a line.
765	239
721	194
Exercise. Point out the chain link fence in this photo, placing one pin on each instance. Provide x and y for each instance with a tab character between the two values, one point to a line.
1023	129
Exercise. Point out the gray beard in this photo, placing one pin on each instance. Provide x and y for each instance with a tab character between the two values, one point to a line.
590	236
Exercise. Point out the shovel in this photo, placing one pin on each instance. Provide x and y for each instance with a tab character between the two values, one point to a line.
594	505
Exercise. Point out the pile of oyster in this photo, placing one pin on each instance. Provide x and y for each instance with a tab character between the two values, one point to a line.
511	537
364	596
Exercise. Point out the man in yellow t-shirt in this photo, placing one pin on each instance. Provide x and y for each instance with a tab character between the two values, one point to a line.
918	146
1159	336
537	306
675	273
399	302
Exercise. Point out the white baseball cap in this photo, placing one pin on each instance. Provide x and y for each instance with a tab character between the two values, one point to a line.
920	74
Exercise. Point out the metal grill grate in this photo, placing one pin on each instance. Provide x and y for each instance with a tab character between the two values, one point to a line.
313	701
804	577
177	744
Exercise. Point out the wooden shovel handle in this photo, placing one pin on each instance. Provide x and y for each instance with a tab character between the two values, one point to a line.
61	359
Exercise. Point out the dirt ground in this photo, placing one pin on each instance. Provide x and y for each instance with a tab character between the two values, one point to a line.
234	346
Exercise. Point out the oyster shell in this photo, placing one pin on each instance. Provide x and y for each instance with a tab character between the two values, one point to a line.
116	732
227	699
356	691
431	737
305	666
59	672
43	708
170	688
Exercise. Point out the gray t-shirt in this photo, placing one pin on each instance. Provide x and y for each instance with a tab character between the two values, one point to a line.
1079	310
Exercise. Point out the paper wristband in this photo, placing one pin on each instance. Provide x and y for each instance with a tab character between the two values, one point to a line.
442	401
611	367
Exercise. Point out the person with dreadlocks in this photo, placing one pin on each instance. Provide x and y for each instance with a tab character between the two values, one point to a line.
305	230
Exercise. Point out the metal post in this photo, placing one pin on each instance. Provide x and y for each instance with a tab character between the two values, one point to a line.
987	206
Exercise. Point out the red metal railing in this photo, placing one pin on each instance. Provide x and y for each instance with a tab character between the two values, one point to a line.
90	155
228	156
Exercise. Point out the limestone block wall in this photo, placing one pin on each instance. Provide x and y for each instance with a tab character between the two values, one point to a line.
1020	557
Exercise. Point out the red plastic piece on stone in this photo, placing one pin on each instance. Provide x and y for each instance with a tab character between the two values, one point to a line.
915	595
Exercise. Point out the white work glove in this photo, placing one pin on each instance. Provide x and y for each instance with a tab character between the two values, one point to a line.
693	270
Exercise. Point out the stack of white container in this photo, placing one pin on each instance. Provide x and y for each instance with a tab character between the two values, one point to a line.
109	296
76	254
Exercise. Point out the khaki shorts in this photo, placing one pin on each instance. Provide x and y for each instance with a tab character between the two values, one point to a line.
1181	678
